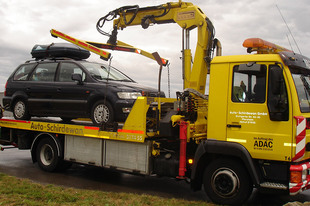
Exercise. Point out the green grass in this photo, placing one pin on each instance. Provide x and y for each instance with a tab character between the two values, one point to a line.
15	191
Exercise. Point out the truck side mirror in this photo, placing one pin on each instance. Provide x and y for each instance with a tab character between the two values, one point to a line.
77	77
276	80
277	95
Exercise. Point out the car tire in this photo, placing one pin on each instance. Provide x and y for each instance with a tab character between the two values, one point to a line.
47	155
20	110
227	182
102	112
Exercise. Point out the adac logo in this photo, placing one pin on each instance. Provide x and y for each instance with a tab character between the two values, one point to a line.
261	143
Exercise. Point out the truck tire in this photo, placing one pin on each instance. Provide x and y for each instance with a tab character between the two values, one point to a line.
47	155
227	182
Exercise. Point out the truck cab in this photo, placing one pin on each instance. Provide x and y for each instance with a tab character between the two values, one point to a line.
262	102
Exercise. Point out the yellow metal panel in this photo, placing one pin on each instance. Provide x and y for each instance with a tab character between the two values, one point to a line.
133	135
52	127
263	138
137	116
134	128
218	101
246	58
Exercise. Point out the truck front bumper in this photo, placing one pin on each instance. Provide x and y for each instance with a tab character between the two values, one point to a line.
300	178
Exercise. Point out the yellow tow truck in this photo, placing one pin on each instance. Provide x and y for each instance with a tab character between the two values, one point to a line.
251	131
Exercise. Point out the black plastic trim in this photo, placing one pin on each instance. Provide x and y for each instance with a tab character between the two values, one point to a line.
212	148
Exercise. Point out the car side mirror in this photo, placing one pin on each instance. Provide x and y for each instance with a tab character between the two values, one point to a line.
77	77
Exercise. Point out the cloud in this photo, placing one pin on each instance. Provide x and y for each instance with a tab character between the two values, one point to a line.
26	23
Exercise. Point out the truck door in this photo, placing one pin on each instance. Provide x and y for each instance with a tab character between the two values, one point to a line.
258	114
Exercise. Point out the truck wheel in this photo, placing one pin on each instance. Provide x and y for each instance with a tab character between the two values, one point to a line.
102	112
47	155
226	181
20	110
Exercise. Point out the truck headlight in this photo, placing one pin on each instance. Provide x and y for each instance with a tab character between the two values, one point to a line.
128	95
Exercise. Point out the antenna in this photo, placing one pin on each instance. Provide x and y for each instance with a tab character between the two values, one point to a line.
288	39
288	28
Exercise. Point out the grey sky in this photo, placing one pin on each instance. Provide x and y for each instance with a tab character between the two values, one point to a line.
26	23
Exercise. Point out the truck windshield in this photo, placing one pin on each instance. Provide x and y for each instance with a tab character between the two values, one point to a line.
302	82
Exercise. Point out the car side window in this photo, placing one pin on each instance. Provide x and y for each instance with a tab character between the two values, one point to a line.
44	72
66	71
22	73
249	83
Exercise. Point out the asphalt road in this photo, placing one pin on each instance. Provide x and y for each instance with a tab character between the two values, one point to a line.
18	163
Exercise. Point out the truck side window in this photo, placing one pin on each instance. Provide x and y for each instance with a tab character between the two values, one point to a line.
249	83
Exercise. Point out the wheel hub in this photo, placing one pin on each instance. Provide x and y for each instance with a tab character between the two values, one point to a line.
19	109
225	182
101	113
47	154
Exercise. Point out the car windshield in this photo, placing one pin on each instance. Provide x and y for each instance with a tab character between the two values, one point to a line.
302	82
103	72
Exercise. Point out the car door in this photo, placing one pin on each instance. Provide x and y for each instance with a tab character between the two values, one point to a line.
250	121
71	98
41	89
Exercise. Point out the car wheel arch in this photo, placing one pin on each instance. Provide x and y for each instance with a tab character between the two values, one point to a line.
93	100
102	112
18	96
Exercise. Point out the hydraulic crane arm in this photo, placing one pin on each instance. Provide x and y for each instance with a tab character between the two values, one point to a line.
97	48
188	17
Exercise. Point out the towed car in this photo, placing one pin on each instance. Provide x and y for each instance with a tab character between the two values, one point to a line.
71	88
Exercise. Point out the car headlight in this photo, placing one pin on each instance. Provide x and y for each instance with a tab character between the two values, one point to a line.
128	95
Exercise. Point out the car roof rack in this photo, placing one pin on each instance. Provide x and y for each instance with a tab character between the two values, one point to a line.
53	59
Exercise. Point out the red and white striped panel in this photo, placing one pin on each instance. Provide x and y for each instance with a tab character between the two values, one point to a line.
300	138
296	188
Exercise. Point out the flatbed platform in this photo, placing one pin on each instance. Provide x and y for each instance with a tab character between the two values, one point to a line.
74	127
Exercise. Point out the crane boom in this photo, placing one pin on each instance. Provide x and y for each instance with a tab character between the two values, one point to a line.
188	17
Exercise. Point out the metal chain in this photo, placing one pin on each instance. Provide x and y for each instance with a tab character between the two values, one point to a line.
168	69
106	87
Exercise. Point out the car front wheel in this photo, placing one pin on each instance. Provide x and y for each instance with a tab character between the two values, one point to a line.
102	112
20	110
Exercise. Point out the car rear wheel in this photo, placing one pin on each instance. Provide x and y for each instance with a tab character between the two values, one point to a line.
102	112
20	110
